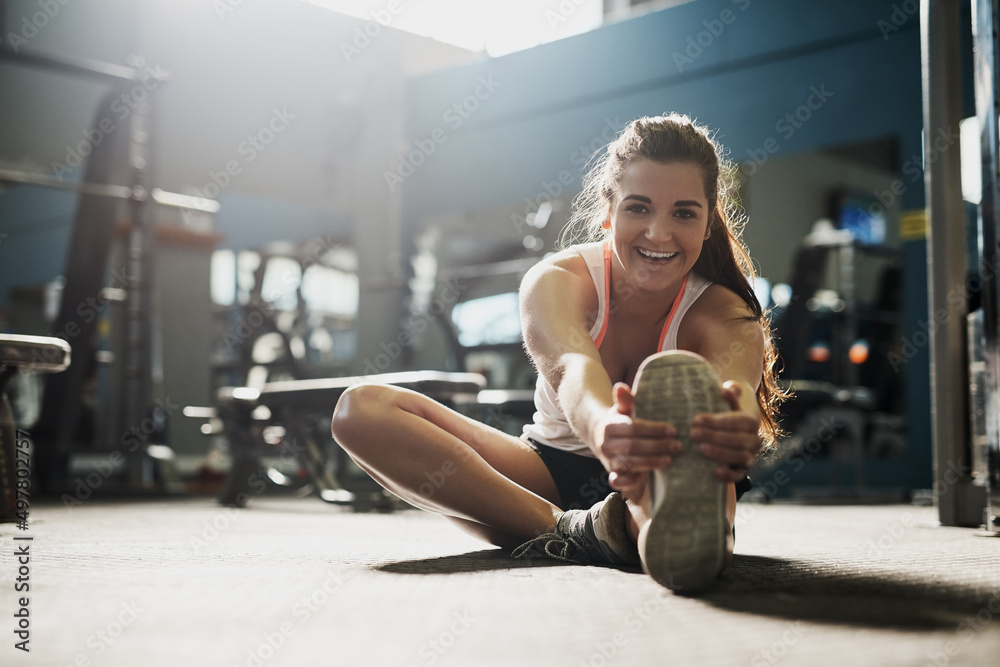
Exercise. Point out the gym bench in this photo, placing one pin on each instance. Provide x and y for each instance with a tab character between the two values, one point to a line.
293	417
40	354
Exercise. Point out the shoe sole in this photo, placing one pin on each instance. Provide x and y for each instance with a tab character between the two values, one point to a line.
686	540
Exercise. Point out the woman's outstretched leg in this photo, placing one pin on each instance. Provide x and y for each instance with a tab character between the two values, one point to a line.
683	514
491	483
677	521
639	515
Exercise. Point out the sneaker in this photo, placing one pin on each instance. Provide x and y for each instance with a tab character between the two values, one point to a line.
685	543
596	536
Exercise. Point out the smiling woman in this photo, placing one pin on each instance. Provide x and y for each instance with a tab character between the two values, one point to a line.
677	159
655	389
658	237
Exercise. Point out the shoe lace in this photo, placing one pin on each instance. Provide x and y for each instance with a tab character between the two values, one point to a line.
568	549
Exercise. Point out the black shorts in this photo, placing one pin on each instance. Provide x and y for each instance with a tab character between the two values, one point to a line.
582	481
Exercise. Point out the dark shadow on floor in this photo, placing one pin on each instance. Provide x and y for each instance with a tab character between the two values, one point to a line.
475	561
846	594
792	589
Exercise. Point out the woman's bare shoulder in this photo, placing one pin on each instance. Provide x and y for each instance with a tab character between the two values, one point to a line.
723	329
568	263
558	286
718	301
718	306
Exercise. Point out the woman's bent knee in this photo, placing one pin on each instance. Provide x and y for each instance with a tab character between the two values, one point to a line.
359	409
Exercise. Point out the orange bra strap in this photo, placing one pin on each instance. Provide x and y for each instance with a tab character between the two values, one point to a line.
673	310
607	301
607	294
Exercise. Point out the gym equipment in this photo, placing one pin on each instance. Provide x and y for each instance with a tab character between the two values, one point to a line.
835	356
39	354
237	354
505	409
292	418
115	176
986	17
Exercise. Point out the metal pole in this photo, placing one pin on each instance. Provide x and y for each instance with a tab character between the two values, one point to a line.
98	189
161	197
940	26
73	65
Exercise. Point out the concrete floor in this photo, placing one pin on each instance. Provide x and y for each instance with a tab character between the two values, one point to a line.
297	582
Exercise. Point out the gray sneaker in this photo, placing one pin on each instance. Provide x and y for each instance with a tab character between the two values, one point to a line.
596	536
685	545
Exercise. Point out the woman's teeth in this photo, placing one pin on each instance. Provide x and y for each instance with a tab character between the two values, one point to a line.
655	255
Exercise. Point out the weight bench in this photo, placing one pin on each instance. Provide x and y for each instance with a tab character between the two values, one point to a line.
40	354
505	409
293	417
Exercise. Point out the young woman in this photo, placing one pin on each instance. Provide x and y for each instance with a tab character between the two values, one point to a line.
655	393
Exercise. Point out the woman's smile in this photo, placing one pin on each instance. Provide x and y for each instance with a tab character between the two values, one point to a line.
658	222
652	255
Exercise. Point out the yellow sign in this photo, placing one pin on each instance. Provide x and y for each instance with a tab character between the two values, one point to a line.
913	225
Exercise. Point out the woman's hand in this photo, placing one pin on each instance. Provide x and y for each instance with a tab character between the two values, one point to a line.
731	438
628	447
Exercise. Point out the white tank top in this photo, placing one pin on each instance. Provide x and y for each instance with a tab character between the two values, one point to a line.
550	426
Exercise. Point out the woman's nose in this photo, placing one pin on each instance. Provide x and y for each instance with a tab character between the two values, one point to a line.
659	231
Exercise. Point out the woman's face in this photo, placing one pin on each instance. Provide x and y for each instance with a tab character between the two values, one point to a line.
658	222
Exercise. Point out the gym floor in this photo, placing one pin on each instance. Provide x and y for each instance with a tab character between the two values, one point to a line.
297	582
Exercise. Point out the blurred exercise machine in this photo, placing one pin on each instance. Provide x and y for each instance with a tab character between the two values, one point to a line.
962	502
36	354
835	349
114	188
276	416
291	419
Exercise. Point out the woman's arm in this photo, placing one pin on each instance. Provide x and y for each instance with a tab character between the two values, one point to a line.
558	307
718	330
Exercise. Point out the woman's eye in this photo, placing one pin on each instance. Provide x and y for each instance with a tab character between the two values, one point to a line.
686	213
636	208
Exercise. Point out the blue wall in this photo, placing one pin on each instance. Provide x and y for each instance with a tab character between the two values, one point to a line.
248	222
34	235
556	97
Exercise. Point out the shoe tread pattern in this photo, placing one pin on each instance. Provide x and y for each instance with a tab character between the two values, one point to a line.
685	544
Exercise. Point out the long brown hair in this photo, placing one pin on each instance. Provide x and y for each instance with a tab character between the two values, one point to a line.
724	259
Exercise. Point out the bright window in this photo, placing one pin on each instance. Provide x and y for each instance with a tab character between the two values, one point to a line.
331	291
489	320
